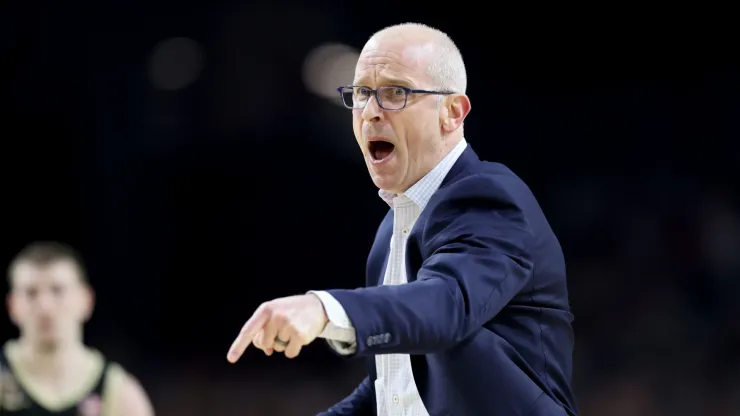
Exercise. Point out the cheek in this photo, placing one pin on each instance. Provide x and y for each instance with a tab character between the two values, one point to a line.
81	307
65	306
19	311
420	127
406	129
77	305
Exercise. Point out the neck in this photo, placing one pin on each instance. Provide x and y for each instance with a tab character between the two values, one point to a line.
61	358
448	143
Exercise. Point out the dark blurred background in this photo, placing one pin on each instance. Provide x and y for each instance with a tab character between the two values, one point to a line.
180	146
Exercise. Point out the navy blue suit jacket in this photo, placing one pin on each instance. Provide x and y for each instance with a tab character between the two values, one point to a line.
485	315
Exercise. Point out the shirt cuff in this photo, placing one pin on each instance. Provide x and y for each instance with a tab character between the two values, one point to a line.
339	332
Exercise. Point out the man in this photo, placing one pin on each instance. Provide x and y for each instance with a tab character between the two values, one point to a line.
48	370
466	310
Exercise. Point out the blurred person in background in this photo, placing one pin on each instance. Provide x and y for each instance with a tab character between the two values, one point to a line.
481	324
48	370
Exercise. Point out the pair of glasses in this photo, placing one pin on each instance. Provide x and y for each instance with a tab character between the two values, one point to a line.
388	98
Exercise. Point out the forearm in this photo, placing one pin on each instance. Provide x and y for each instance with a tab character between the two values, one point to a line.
455	295
393	325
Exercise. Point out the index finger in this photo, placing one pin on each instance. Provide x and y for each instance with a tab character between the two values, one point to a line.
246	335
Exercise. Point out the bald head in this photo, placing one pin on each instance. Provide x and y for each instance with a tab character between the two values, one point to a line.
431	47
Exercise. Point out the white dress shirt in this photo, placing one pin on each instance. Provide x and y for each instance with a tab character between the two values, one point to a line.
395	389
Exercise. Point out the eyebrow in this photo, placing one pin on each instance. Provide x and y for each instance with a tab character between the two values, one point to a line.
386	82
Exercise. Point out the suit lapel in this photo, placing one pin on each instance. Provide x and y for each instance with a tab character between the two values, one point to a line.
464	164
379	253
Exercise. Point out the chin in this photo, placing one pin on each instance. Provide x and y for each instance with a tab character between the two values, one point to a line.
47	344
386	184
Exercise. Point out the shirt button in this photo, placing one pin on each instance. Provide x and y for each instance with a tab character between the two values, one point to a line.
405	230
395	399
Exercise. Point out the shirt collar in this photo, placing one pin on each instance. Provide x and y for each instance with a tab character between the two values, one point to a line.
421	192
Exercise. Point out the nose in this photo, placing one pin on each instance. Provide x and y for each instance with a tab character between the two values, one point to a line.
372	110
45	301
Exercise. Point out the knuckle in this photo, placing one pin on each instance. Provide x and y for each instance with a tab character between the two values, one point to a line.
281	317
265	308
294	329
300	336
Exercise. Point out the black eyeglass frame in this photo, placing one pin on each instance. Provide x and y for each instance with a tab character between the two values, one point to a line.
374	92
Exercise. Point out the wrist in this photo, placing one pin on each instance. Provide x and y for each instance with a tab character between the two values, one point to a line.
321	307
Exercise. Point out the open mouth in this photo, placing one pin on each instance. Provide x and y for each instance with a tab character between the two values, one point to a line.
380	150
